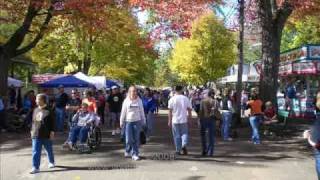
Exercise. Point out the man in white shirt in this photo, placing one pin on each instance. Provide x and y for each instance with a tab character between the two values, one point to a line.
179	112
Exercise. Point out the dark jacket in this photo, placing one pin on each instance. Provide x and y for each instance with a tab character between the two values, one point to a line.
42	123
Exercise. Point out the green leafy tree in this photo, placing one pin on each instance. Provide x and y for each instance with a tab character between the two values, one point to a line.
206	54
300	32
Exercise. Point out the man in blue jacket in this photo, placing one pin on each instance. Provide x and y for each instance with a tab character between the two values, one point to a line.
149	105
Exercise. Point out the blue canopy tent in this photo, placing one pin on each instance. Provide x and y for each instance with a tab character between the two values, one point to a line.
110	83
67	81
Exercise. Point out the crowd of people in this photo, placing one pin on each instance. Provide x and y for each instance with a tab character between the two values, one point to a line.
131	115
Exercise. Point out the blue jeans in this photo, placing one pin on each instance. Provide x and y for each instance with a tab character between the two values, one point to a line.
60	115
36	151
115	119
180	135
132	133
82	132
255	122
317	158
226	124
150	121
207	124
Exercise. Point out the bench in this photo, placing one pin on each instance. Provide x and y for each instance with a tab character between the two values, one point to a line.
284	116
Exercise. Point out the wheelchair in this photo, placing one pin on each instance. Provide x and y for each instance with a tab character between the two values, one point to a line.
93	140
94	137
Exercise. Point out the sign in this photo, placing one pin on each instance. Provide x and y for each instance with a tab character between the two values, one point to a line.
297	54
314	52
285	69
39	79
304	68
318	67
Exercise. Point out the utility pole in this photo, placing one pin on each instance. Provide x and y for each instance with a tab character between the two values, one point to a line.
240	59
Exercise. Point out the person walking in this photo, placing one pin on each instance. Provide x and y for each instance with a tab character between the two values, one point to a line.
179	115
149	105
101	105
114	103
207	123
132	119
226	114
61	101
72	108
90	101
42	133
313	135
256	115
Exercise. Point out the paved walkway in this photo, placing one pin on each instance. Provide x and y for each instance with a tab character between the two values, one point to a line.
287	158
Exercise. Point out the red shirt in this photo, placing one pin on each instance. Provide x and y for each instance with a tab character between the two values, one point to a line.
92	105
270	112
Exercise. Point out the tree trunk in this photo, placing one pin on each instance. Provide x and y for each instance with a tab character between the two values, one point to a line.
240	63
4	61
12	47
272	23
86	64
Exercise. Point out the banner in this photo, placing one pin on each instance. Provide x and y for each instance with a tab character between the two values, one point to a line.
42	78
304	68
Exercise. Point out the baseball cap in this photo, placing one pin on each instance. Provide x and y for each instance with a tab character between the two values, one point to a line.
114	87
60	86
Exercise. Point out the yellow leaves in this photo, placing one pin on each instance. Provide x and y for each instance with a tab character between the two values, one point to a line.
206	54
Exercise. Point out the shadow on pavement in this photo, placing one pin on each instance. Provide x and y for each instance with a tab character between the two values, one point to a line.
91	168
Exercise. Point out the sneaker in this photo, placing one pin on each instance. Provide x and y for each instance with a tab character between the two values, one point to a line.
127	155
51	165
184	151
256	143
113	132
71	146
34	171
135	158
177	153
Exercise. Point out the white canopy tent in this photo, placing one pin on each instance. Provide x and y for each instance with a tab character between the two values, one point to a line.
98	81
250	75
14	82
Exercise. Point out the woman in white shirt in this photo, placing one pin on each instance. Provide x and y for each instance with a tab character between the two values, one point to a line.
132	119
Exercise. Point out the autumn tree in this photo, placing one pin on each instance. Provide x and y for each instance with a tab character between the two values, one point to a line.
273	15
206	54
32	18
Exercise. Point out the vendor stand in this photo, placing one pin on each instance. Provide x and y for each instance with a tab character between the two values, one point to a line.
299	70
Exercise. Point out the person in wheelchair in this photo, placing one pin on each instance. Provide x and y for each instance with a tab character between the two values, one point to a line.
85	120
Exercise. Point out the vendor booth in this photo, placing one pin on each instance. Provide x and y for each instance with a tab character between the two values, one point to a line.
250	77
67	81
299	76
